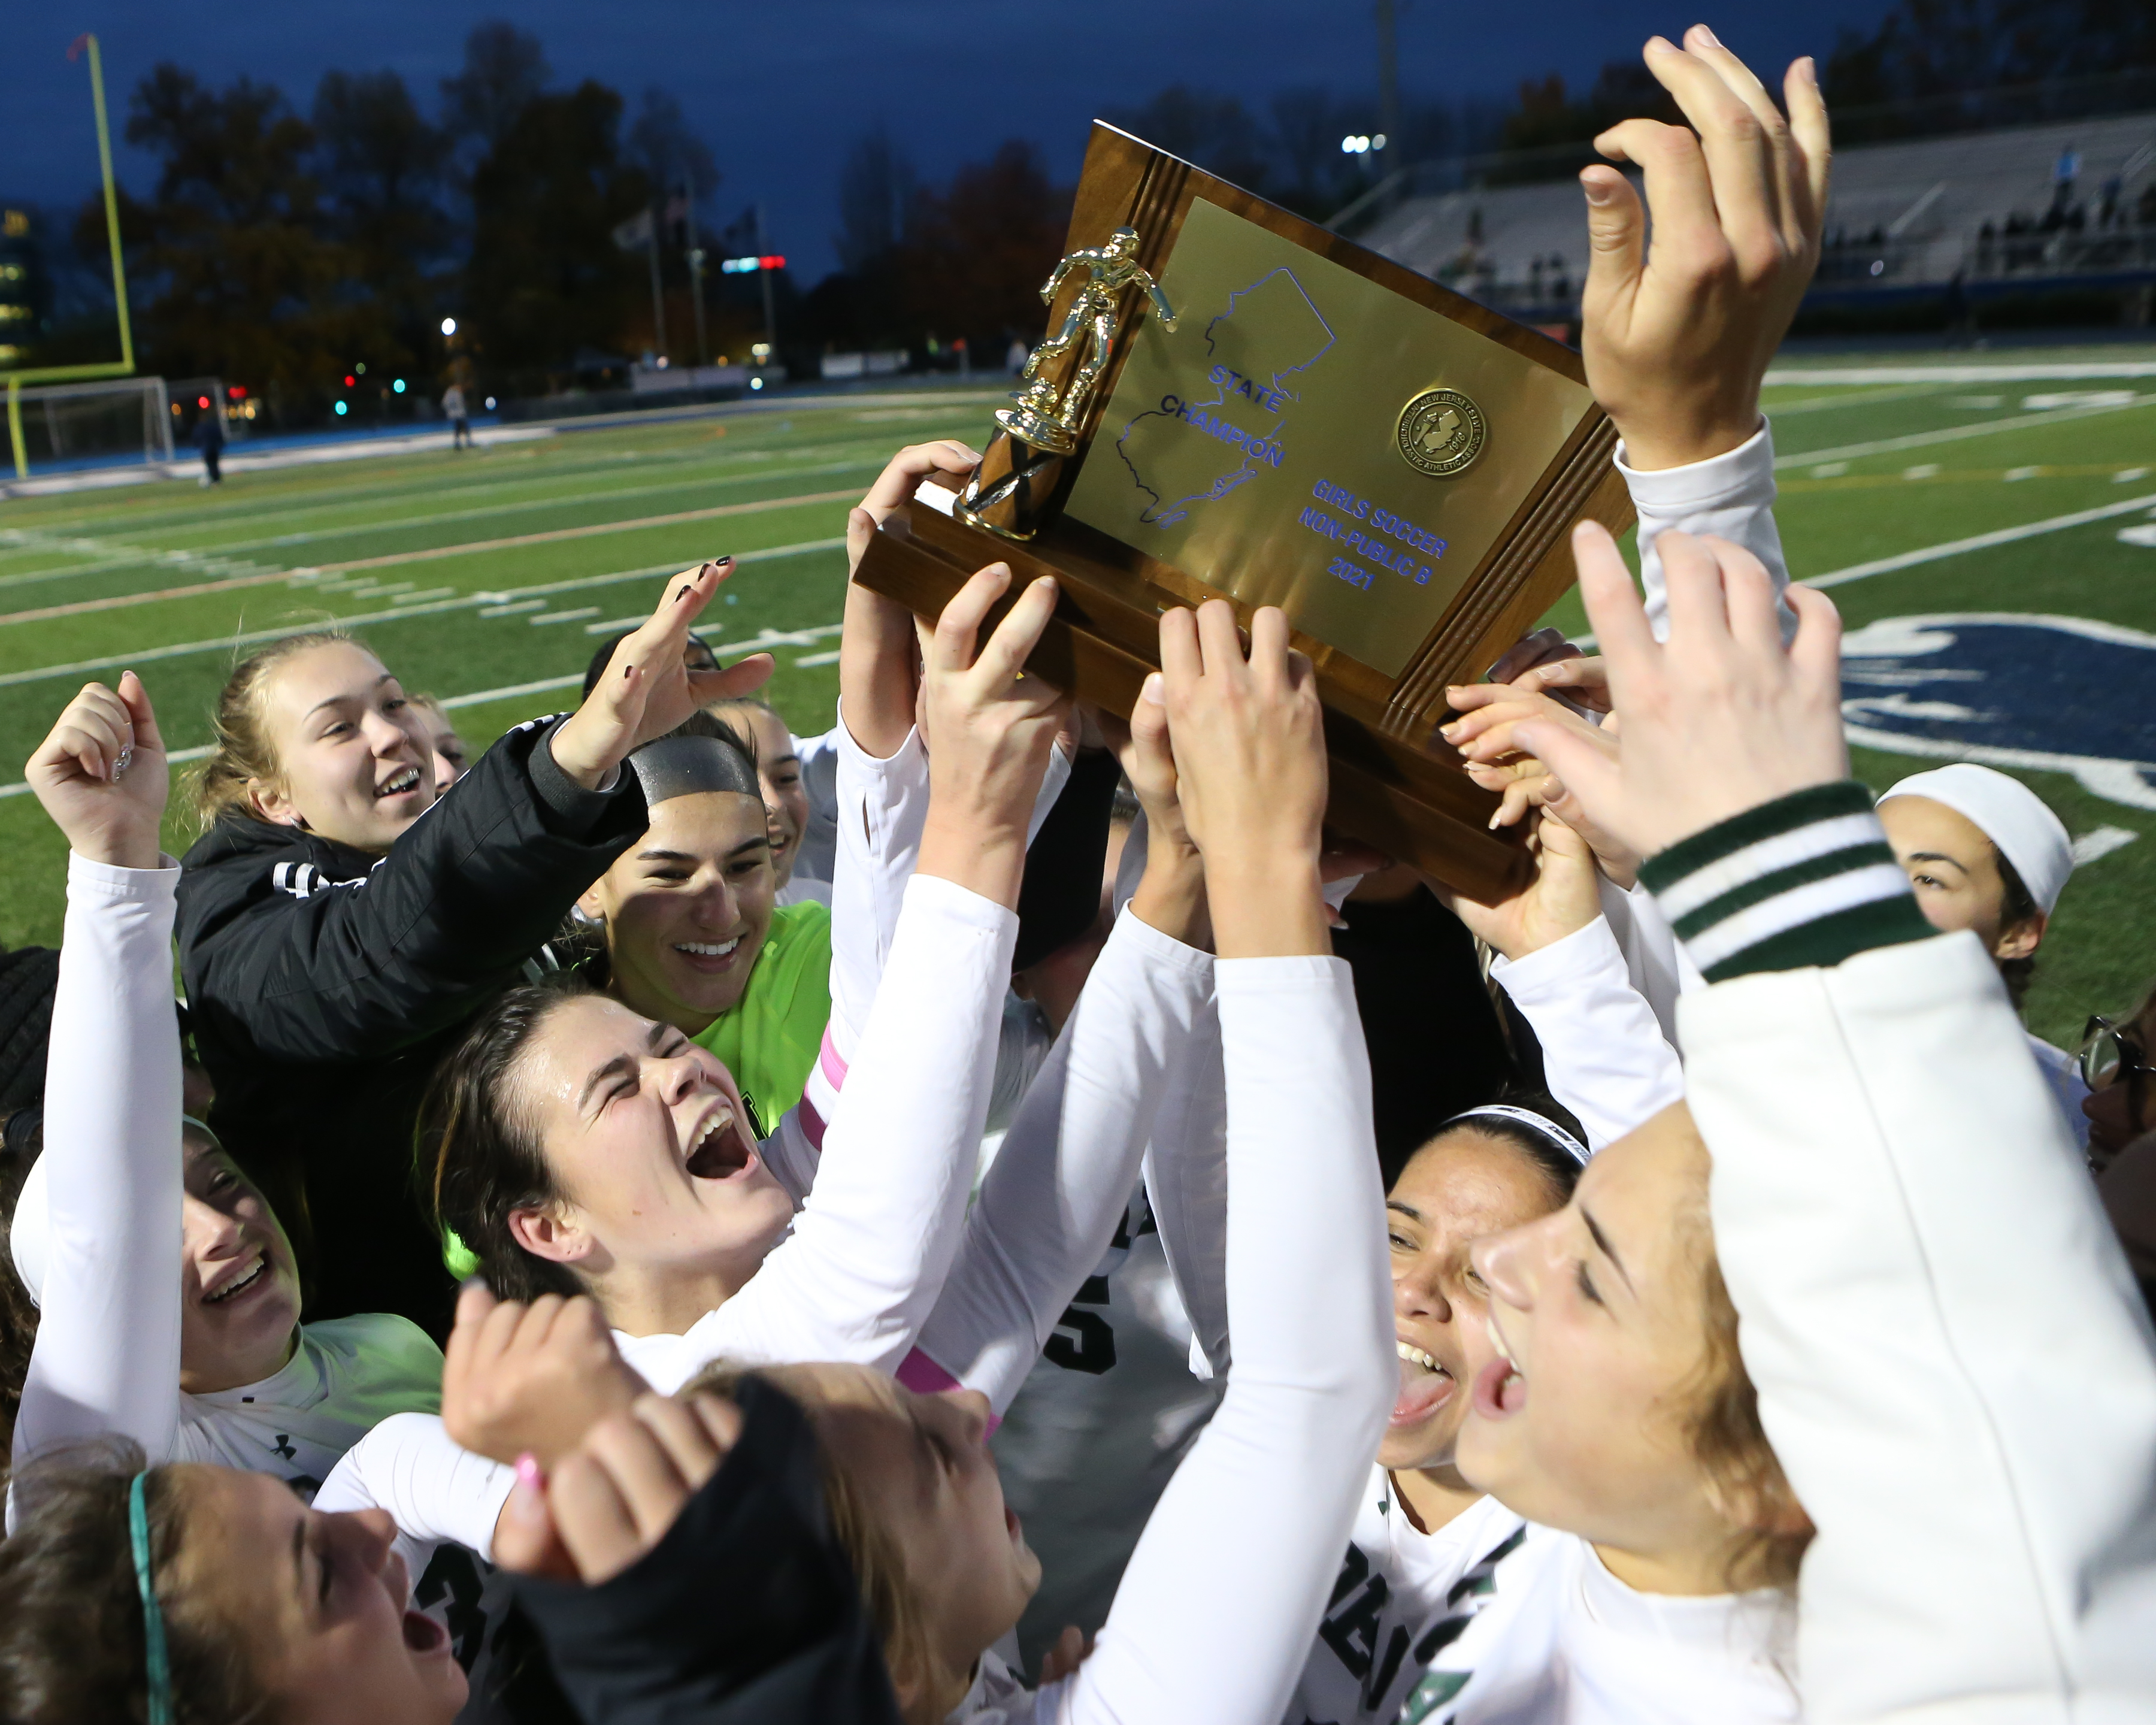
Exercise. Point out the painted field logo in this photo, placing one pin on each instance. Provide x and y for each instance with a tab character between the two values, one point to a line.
2009	689
1441	432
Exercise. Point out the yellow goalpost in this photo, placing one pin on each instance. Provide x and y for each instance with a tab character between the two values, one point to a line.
124	367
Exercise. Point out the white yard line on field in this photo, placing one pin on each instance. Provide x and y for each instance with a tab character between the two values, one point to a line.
303	577
2033	372
1980	541
144	655
1952	433
1957	547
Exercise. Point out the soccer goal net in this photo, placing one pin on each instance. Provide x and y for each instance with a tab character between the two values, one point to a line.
91	424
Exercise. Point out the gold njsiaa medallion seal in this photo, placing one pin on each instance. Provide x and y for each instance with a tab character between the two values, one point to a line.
1441	432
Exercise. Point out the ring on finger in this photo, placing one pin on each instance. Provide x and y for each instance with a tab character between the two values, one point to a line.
123	760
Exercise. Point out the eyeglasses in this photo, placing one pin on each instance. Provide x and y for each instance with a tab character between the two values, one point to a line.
2109	1054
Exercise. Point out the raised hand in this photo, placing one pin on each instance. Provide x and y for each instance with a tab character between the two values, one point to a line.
1677	337
878	664
1719	719
647	688
1171	895
1248	742
614	1497
1486	734
1580	678
1561	900
101	774
531	1380
991	726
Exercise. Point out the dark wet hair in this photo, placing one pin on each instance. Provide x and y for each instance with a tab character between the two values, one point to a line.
485	1151
71	1632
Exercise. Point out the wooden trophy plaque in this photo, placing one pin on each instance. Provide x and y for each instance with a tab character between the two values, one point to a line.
1238	404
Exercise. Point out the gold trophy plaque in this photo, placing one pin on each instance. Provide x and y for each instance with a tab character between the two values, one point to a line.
1236	403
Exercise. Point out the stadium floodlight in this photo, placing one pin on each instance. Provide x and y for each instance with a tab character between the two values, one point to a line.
124	367
1359	144
449	325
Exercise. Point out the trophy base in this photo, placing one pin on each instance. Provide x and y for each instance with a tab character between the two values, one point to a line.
1010	491
1408	798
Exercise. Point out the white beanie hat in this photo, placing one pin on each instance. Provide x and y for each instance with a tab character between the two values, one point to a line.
2009	814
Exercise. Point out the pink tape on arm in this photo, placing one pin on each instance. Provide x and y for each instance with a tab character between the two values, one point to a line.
924	1377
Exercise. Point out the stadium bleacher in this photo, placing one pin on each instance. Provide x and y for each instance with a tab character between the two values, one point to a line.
1996	207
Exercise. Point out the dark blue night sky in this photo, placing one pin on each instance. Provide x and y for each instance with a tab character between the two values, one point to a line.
780	89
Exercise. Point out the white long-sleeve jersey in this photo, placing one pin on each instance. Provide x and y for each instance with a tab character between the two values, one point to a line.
1730	496
1882	1146
1227	1585
1604	1056
1953	1362
107	1355
349	1420
1402	1597
883	1237
874	1240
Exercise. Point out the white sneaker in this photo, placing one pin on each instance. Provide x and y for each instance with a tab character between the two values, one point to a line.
203	482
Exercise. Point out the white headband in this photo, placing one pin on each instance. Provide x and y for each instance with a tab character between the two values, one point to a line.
1539	1124
2009	814
29	1234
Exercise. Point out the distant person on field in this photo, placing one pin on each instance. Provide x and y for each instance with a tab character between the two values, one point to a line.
460	417
210	439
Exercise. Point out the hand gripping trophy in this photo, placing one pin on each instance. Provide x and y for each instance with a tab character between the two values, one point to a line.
1019	470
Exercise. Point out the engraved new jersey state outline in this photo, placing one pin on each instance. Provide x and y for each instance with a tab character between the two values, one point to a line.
1213	445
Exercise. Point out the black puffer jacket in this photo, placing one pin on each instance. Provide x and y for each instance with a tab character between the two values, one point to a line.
325	984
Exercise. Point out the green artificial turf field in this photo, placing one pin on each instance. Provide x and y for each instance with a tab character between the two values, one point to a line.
489	574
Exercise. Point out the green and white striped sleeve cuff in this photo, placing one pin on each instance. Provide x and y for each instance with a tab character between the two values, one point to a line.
1807	880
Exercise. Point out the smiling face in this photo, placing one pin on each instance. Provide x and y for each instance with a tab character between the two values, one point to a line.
355	762
323	1599
1953	867
240	1288
663	1207
921	1465
1599	1311
779	772
687	908
1457	1189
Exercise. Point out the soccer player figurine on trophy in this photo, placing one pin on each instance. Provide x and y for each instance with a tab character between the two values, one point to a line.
1021	466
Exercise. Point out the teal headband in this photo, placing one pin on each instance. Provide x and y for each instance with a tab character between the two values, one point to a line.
158	1664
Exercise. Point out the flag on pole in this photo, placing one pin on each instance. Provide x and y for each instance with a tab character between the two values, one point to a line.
636	231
